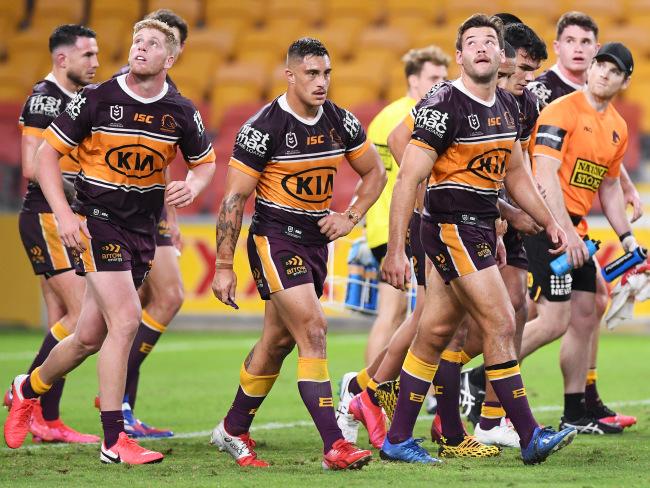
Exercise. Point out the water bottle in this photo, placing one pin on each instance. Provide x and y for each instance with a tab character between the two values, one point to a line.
370	304
354	288
619	266
560	265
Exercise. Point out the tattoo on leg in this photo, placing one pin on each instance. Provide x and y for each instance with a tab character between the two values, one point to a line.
249	358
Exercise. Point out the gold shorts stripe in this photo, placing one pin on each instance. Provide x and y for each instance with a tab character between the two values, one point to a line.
363	378
152	323
59	332
451	238
451	356
55	247
256	386
268	266
464	358
313	369
87	257
37	384
500	374
492	412
418	368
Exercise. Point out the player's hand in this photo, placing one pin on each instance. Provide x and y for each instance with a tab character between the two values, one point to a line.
557	237
524	223
629	243
224	285
577	252
501	255
396	270
71	228
335	225
501	227
633	198
179	194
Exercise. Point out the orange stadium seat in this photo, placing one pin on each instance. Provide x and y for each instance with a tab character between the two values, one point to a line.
397	85
130	11
278	83
12	13
238	15
234	84
14	87
189	10
634	37
636	12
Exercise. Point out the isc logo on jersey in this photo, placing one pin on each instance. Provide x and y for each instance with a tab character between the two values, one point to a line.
253	140
432	120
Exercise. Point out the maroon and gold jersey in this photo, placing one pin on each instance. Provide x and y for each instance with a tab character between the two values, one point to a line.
473	139
551	85
46	102
125	142
295	160
528	113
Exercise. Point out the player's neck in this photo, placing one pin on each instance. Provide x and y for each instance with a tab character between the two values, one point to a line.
577	77
146	86
63	80
300	108
599	104
484	91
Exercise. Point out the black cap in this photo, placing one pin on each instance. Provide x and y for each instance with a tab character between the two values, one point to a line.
618	54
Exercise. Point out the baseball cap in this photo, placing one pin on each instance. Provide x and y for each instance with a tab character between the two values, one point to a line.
618	54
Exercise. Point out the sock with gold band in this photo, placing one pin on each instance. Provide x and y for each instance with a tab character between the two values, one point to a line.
371	389
491	415
149	331
316	393
509	387
465	358
415	380
50	401
359	382
447	388
592	398
251	393
34	386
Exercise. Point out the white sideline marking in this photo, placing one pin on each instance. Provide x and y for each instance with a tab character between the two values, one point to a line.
309	423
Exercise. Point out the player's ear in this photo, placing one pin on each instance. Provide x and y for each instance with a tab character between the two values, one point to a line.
169	62
459	57
626	83
291	77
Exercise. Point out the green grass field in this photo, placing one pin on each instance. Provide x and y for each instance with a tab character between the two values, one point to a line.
187	384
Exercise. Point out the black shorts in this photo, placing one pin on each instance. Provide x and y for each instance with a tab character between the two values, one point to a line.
163	233
277	264
43	245
542	281
515	251
115	248
458	249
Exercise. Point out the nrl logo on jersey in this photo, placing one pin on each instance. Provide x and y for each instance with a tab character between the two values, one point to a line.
474	123
291	139
74	107
117	112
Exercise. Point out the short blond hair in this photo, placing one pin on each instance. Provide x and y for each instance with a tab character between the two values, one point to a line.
414	59
171	42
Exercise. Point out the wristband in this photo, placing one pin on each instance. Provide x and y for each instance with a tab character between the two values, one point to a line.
223	263
353	215
624	235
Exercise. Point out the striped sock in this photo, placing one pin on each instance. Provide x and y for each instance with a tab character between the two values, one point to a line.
371	390
592	398
34	386
491	415
447	388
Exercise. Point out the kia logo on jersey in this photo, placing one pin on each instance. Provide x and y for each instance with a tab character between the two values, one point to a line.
491	165
313	185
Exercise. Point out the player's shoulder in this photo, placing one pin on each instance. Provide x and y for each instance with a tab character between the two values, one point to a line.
618	122
440	93
506	97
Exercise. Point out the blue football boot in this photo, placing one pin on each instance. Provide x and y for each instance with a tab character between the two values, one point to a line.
545	442
408	451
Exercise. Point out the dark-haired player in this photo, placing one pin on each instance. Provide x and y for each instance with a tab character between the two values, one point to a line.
127	130
74	62
288	153
455	126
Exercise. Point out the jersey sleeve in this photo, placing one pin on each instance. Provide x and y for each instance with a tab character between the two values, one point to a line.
554	127
354	136
71	127
433	126
39	111
253	149
529	116
195	144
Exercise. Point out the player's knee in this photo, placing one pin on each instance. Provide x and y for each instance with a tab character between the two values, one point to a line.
602	299
170	299
282	348
315	335
87	344
519	300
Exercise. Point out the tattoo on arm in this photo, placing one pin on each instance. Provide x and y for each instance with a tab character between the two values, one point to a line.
229	223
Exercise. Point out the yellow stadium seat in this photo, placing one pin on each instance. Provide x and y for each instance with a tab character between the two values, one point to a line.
263	46
443	37
12	85
13	10
527	11
107	69
306	11
189	85
221	41
456	12
240	14
338	40
235	83
278	82
189	10
416	8
638	93
130	11
410	22
634	37
368	11
28	43
72	9
394	39
349	94
114	37
199	64
357	82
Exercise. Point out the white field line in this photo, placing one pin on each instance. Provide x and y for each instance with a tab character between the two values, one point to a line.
308	423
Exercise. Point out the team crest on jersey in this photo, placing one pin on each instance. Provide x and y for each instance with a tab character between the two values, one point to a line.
168	124
510	121
474	123
117	112
291	140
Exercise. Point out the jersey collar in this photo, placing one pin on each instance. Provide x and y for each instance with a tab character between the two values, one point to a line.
556	69
284	105
51	78
458	83
121	80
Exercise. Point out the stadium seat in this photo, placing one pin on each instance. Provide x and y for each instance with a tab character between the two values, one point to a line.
443	37
114	37
410	22
339	41
397	86
130	11
368	11
67	9
308	12
243	14
13	85
356	83
393	39
535	14
234	84
263	46
426	11
634	37
107	69
189	10
278	84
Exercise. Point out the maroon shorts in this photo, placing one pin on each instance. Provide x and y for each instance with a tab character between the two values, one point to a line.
115	248
458	249
515	252
417	250
277	264
45	250
163	232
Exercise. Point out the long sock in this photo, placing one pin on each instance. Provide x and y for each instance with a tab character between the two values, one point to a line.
414	382
316	393
50	400
477	376
592	398
371	390
251	393
359	383
145	339
464	358
491	415
447	388
113	425
509	387
34	386
574	406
